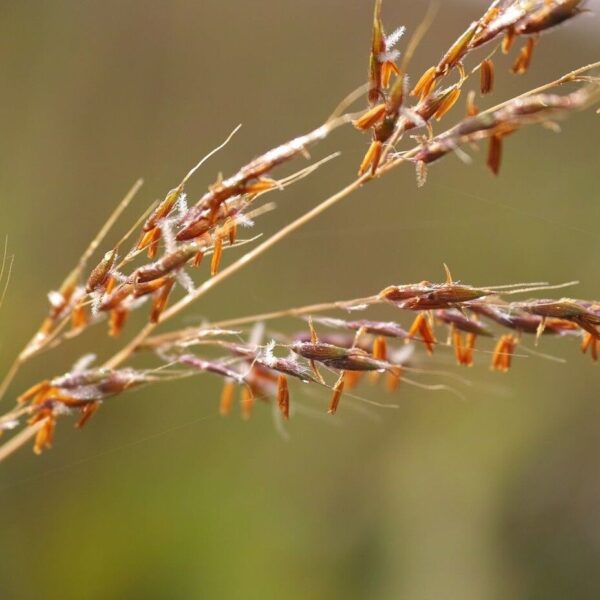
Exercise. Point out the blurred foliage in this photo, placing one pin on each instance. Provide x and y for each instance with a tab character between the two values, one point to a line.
493	497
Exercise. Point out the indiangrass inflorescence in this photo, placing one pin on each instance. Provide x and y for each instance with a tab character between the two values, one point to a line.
170	242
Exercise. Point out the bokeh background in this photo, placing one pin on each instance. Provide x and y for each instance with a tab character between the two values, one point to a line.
495	496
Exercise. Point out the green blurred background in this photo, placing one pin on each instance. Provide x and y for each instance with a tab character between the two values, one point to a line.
496	496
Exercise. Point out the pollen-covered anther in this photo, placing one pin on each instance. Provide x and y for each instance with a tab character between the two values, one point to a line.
486	71
159	302
508	40
370	117
455	54
149	287
100	274
447	102
87	412
378	46
463	347
283	396
393	379
264	184
216	257
352	379
421	327
472	108
468	350
116	297
226	400
503	352
523	60
150	242
371	158
380	351
338	390
388	68
591	343
79	318
425	84
146	239
494	157
44	436
421	173
116	320
247	402
492	12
